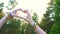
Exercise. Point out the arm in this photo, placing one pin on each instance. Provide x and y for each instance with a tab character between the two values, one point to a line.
29	19
38	30
2	21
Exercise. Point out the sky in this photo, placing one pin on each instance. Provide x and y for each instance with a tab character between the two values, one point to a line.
38	6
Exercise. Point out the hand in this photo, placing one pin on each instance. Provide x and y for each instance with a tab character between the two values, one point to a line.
14	13
28	18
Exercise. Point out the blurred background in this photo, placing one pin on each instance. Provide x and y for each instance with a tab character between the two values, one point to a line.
46	13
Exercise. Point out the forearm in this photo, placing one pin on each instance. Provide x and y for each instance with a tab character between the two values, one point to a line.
2	21
38	30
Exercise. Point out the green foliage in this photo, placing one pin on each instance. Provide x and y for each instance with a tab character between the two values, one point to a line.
1	6
35	17
11	27
48	18
56	27
30	30
1	14
11	4
17	26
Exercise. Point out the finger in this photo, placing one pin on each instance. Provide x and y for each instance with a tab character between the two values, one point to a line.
19	9
22	18
15	11
25	11
28	13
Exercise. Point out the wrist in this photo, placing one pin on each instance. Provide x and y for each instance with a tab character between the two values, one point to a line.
31	23
10	16
6	15
34	25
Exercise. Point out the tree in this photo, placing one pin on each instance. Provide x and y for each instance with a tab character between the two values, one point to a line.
35	17
29	29
11	27
1	8
17	26
11	4
56	27
48	18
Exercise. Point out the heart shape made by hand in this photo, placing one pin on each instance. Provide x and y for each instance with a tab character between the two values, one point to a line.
24	14
20	13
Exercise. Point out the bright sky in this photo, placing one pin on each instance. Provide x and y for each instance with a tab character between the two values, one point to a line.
38	6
